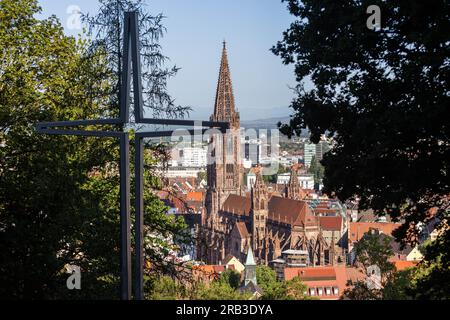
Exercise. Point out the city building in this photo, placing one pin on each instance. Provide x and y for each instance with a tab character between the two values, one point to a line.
321	148
306	180
325	283
193	157
309	153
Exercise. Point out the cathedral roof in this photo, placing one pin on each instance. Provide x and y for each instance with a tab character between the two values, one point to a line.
290	211
331	223
242	229
236	204
284	210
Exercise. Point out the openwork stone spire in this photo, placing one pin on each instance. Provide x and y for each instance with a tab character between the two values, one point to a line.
293	187
224	108
259	190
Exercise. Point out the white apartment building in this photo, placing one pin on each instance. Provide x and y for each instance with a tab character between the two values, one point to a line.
194	157
310	152
306	180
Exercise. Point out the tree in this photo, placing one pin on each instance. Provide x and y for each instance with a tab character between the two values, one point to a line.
220	290
274	289
231	277
317	170
267	281
383	97
296	289
106	31
165	288
106	27
398	285
43	77
372	250
432	276
59	195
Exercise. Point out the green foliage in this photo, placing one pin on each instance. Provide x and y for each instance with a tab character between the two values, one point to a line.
317	169
375	249
432	278
43	77
274	289
166	288
219	290
383	97
202	176
273	178
59	196
398	285
231	277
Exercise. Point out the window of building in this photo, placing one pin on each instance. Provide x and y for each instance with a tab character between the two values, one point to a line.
335	291
328	291
320	291
312	291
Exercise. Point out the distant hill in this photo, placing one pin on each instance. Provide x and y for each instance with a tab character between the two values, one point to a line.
269	123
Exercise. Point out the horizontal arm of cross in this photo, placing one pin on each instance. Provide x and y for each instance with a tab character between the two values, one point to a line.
56	128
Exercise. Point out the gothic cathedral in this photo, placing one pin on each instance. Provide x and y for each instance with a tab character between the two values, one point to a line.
235	220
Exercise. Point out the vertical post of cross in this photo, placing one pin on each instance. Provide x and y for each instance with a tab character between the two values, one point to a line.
139	157
139	217
125	223
125	245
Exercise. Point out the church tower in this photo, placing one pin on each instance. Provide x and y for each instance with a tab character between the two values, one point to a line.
293	187
250	268
224	168
259	213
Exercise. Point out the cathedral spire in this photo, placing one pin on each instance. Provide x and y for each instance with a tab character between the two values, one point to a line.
224	108
293	187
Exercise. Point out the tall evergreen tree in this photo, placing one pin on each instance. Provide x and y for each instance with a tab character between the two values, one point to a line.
106	29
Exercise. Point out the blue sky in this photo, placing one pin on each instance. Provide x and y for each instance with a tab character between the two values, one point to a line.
195	31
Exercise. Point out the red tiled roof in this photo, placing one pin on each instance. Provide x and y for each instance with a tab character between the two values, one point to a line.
237	205
310	274
402	265
284	210
331	223
321	277
355	274
194	196
242	229
325	210
358	229
290	211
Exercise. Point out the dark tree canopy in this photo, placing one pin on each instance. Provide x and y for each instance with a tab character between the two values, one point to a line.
382	95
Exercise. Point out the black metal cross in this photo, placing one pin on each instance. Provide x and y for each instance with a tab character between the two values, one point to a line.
131	59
